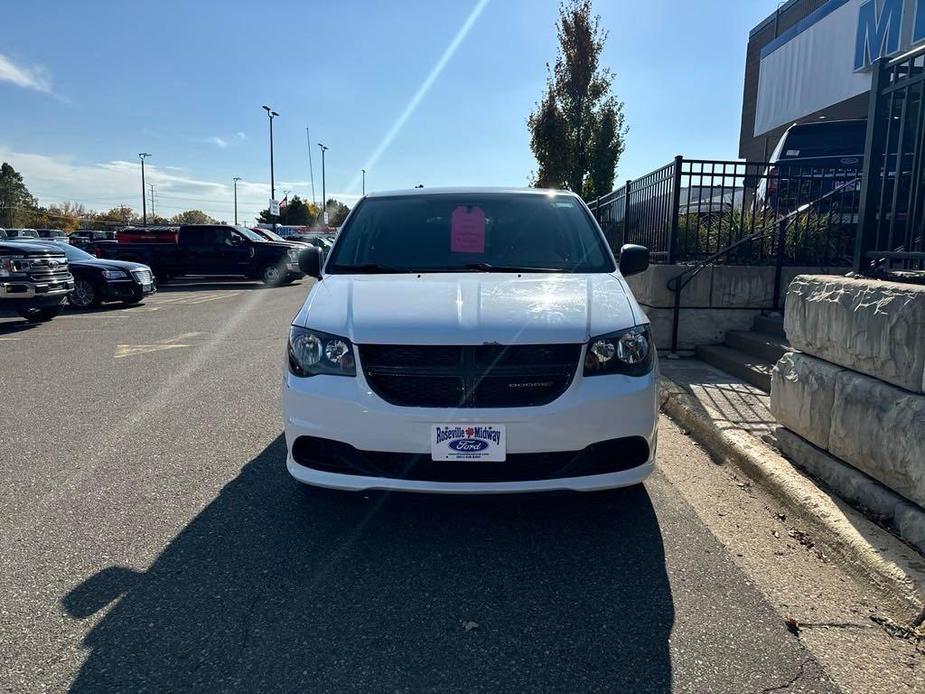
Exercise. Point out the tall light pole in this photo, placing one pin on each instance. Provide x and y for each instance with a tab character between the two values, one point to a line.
144	204
271	114
324	195
364	181
236	179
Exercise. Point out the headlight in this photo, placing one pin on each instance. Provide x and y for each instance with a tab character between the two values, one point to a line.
626	352
14	265
294	256
312	352
115	274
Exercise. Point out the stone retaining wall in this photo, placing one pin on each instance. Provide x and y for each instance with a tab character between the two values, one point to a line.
856	388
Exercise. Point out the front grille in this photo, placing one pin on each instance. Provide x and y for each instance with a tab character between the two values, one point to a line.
469	376
48	270
615	455
142	276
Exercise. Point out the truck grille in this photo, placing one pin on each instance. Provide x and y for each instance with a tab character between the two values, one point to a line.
48	270
469	376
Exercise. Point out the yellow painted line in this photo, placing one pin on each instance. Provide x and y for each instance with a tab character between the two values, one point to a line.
159	346
133	350
9	339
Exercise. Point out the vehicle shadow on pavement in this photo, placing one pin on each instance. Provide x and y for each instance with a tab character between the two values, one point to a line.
278	587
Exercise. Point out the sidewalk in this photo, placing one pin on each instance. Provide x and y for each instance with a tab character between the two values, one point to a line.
733	421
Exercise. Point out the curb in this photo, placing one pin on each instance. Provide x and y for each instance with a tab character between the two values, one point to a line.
891	565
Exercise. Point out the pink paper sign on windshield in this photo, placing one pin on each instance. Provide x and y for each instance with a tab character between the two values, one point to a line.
467	230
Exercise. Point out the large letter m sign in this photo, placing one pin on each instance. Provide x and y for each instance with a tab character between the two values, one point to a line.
878	31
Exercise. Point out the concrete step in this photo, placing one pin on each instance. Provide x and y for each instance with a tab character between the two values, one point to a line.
771	325
764	346
745	366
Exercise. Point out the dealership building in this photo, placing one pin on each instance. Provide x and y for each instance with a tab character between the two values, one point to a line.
812	59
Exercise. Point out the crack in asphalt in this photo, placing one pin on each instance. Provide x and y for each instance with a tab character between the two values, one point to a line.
792	680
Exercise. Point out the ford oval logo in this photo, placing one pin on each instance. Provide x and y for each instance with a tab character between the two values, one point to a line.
468	445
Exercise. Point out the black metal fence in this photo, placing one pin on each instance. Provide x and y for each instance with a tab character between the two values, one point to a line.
691	209
892	210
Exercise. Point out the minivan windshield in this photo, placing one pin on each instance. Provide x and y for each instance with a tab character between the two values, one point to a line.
459	232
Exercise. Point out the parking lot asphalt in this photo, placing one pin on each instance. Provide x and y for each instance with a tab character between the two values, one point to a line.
153	541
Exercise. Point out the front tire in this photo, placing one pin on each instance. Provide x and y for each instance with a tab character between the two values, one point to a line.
40	315
272	275
84	295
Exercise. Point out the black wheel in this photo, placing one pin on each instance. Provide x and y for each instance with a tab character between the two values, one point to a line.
84	295
272	275
40	315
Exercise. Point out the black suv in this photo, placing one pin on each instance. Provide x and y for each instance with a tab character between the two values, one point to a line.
34	280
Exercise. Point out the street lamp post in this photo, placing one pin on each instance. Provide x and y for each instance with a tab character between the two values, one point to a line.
271	114
364	181
236	179
324	195
144	204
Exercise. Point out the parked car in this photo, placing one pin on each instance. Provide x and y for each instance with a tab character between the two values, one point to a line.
97	281
211	249
470	341
810	160
3	233
22	234
86	236
34	280
54	234
269	235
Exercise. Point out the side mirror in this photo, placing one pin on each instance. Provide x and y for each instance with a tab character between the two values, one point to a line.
236	240
310	262
633	259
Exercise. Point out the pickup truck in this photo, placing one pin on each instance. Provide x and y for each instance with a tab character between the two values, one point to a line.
210	249
34	280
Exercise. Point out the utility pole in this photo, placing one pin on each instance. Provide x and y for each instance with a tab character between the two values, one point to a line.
364	181
271	114
144	205
236	179
324	194
152	187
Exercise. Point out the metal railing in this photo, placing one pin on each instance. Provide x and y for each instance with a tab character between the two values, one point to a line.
690	209
778	228
892	210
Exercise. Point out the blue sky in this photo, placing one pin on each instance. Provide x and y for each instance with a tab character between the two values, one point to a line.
85	86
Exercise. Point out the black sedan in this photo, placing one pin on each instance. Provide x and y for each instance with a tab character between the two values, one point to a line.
97	280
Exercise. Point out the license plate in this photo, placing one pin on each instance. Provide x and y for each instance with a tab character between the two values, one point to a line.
468	442
146	287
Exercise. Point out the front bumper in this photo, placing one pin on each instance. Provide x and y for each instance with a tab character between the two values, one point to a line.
26	289
592	410
118	290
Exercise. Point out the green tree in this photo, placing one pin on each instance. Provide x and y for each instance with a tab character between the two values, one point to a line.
192	217
16	202
577	131
337	212
296	213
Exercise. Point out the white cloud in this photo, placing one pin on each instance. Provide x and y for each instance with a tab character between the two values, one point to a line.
217	141
56	179
22	76
241	136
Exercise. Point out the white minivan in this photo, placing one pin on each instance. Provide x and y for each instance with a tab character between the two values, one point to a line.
471	341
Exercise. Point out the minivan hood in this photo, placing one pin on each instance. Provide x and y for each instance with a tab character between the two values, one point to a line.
470	308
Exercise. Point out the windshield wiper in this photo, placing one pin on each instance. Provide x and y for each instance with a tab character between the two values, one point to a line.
488	267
